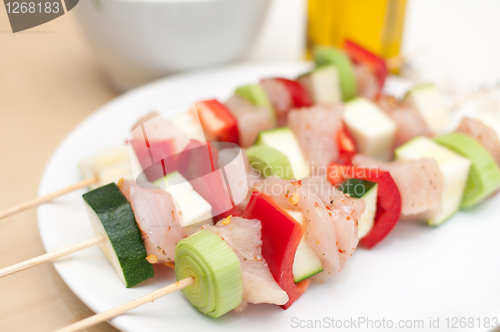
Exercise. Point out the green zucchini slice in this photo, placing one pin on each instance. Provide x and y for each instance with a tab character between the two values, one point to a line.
269	161
329	55
366	191
111	215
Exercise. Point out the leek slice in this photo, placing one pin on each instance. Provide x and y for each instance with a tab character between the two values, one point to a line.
216	270
484	174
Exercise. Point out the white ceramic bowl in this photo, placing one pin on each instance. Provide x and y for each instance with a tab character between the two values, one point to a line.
140	40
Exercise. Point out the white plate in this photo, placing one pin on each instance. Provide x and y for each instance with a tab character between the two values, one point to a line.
416	273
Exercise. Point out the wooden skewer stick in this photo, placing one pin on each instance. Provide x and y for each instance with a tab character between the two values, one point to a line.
107	315
51	256
47	198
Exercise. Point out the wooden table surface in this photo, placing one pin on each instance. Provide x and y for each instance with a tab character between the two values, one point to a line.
49	82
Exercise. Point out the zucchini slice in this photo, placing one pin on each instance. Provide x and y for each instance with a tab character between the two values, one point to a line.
426	100
484	175
111	215
306	263
366	191
372	129
323	84
283	139
453	166
329	55
269	161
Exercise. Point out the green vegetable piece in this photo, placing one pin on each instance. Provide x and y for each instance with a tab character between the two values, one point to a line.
329	55
283	139
216	270
305	263
270	161
367	191
111	215
426	100
256	95
484	175
357	188
323	85
454	168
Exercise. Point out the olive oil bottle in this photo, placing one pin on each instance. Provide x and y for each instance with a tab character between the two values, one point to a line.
375	24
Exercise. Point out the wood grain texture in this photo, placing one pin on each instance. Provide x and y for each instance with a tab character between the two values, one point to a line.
49	82
51	256
47	198
111	313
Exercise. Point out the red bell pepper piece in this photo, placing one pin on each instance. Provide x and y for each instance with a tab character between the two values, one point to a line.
359	54
345	143
300	96
218	123
388	198
281	235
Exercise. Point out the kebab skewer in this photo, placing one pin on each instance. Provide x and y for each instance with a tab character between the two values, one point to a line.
353	71
475	199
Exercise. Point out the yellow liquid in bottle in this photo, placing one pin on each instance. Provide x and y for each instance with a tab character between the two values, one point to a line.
374	24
